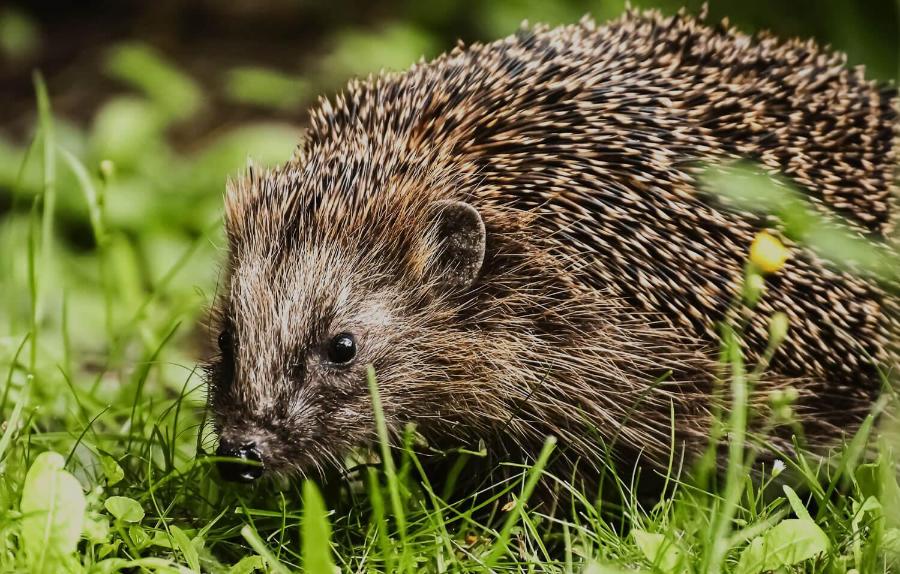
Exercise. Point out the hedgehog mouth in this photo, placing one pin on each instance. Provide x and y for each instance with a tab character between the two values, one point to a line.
249	452
239	462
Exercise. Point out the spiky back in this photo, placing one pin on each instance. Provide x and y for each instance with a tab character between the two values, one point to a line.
582	147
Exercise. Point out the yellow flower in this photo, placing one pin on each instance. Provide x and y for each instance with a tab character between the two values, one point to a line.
767	253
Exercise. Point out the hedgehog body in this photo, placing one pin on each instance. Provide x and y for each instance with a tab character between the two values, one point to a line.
514	235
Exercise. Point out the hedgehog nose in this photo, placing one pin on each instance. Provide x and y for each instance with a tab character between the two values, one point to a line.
247	468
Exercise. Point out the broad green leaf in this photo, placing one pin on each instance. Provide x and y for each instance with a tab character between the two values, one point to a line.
139	536
53	507
111	469
789	542
796	504
109	566
891	542
660	551
257	544
158	565
868	479
266	87
753	558
124	508
162	539
187	549
316	543
870	505
359	52
109	548
127	130
247	565
144	68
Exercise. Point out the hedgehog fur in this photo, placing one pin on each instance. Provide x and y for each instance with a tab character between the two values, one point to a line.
516	235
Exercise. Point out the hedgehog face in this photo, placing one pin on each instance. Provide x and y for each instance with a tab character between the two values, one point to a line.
298	329
291	373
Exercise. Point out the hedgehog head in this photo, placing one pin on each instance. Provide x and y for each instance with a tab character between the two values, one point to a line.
321	284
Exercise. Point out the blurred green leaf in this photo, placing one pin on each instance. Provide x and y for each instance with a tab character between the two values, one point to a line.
749	189
498	19
53	507
663	553
124	508
111	469
360	52
247	565
316	535
789	542
19	37
266	88
186	547
127	130
265	143
96	529
145	69
892	542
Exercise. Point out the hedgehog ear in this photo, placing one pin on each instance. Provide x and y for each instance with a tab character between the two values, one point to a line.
459	242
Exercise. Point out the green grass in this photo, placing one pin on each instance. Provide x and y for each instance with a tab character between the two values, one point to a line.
98	347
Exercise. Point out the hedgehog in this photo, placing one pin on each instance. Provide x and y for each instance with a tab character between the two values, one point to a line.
516	238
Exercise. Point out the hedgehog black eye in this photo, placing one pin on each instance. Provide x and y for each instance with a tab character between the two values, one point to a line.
341	349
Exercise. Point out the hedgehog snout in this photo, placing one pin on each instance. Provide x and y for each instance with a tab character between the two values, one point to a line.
245	464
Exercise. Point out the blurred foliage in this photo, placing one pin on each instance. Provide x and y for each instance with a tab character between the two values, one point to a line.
141	67
266	88
18	34
392	47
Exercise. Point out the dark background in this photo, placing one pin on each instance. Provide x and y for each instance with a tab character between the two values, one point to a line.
323	42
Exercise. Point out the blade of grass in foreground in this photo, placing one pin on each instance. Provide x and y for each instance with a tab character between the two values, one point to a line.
255	542
33	292
390	472
376	501
142	379
534	473
94	202
160	285
12	424
45	121
316	531
736	475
